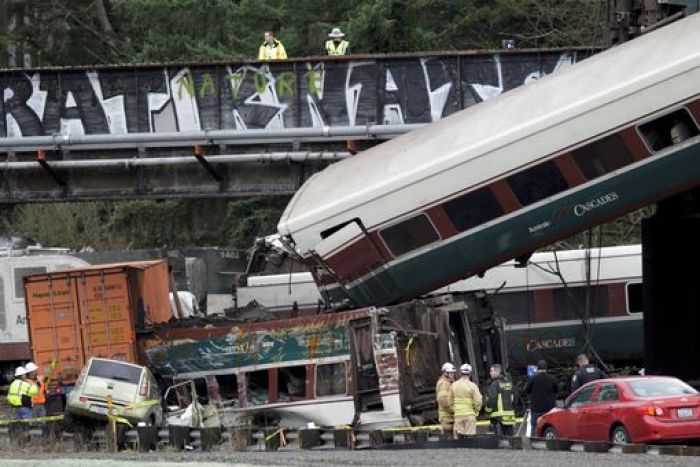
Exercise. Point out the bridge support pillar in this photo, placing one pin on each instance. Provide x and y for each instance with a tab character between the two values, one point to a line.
671	269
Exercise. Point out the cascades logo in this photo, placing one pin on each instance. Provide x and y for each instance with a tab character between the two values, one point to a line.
581	209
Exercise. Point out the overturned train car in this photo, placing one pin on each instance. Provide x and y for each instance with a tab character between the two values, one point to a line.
370	367
502	178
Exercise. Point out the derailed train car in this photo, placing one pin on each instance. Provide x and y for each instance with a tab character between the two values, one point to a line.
536	164
370	367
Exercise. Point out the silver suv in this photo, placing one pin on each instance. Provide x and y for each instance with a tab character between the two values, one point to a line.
134	390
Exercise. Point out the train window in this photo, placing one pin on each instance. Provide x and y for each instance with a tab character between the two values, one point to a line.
536	183
331	380
472	209
409	235
634	298
668	130
258	387
570	304
515	307
20	273
202	388
602	156
291	383
228	387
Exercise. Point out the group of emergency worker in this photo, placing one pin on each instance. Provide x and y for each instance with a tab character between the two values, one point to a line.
27	392
273	49
460	401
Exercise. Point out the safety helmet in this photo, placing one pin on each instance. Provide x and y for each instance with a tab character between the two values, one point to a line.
30	367
466	369
20	371
448	368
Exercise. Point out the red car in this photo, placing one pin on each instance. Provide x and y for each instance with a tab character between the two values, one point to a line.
641	409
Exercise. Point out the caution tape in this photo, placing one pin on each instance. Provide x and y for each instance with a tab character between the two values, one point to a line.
139	405
53	418
438	427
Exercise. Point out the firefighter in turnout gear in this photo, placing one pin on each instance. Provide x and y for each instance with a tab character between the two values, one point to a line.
466	402
442	393
499	404
20	394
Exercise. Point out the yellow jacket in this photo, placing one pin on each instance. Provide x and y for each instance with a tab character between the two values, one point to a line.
20	388
442	393
465	398
272	52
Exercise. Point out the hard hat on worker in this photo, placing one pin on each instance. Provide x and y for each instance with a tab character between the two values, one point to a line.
336	33
20	371
447	367
466	369
30	367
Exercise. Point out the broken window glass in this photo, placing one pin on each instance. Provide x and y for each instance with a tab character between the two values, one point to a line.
228	389
331	380
258	387
291	383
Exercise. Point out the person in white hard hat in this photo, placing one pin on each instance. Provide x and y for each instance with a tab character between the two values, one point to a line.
442	393
38	400
20	394
336	45
466	402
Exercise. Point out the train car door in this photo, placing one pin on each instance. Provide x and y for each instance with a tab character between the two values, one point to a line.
364	368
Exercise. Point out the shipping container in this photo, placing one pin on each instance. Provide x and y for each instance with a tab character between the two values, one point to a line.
76	314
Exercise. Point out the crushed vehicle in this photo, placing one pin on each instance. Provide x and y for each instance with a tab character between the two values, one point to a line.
134	392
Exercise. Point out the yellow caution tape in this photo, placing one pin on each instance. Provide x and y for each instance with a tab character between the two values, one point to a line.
138	405
53	418
268	438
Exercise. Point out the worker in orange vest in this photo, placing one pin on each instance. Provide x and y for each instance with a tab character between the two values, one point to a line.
39	399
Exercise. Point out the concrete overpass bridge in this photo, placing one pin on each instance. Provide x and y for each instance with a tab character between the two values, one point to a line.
228	129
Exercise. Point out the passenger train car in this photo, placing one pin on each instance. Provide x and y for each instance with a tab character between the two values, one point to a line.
543	304
507	176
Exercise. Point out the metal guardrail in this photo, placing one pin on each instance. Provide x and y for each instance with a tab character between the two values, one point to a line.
50	436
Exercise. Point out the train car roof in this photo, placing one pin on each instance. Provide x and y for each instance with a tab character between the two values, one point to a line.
493	124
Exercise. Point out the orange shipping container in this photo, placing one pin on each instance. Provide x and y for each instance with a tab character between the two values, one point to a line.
94	311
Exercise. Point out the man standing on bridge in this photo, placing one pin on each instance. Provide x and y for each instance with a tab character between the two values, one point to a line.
466	402
586	373
271	49
442	393
336	45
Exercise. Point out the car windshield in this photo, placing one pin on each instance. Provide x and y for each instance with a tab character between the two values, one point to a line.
666	387
115	370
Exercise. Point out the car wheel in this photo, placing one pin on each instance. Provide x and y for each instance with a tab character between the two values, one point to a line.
620	435
549	433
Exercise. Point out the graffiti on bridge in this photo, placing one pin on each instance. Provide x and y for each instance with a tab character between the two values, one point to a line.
386	90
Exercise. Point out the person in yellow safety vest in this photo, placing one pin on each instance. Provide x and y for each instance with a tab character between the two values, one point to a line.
271	49
20	394
442	394
39	400
336	45
499	404
466	402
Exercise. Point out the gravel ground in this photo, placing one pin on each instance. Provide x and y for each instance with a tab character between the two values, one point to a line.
443	457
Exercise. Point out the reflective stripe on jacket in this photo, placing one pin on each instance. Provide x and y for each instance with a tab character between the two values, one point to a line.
466	398
20	393
501	400
272	52
442	393
333	49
